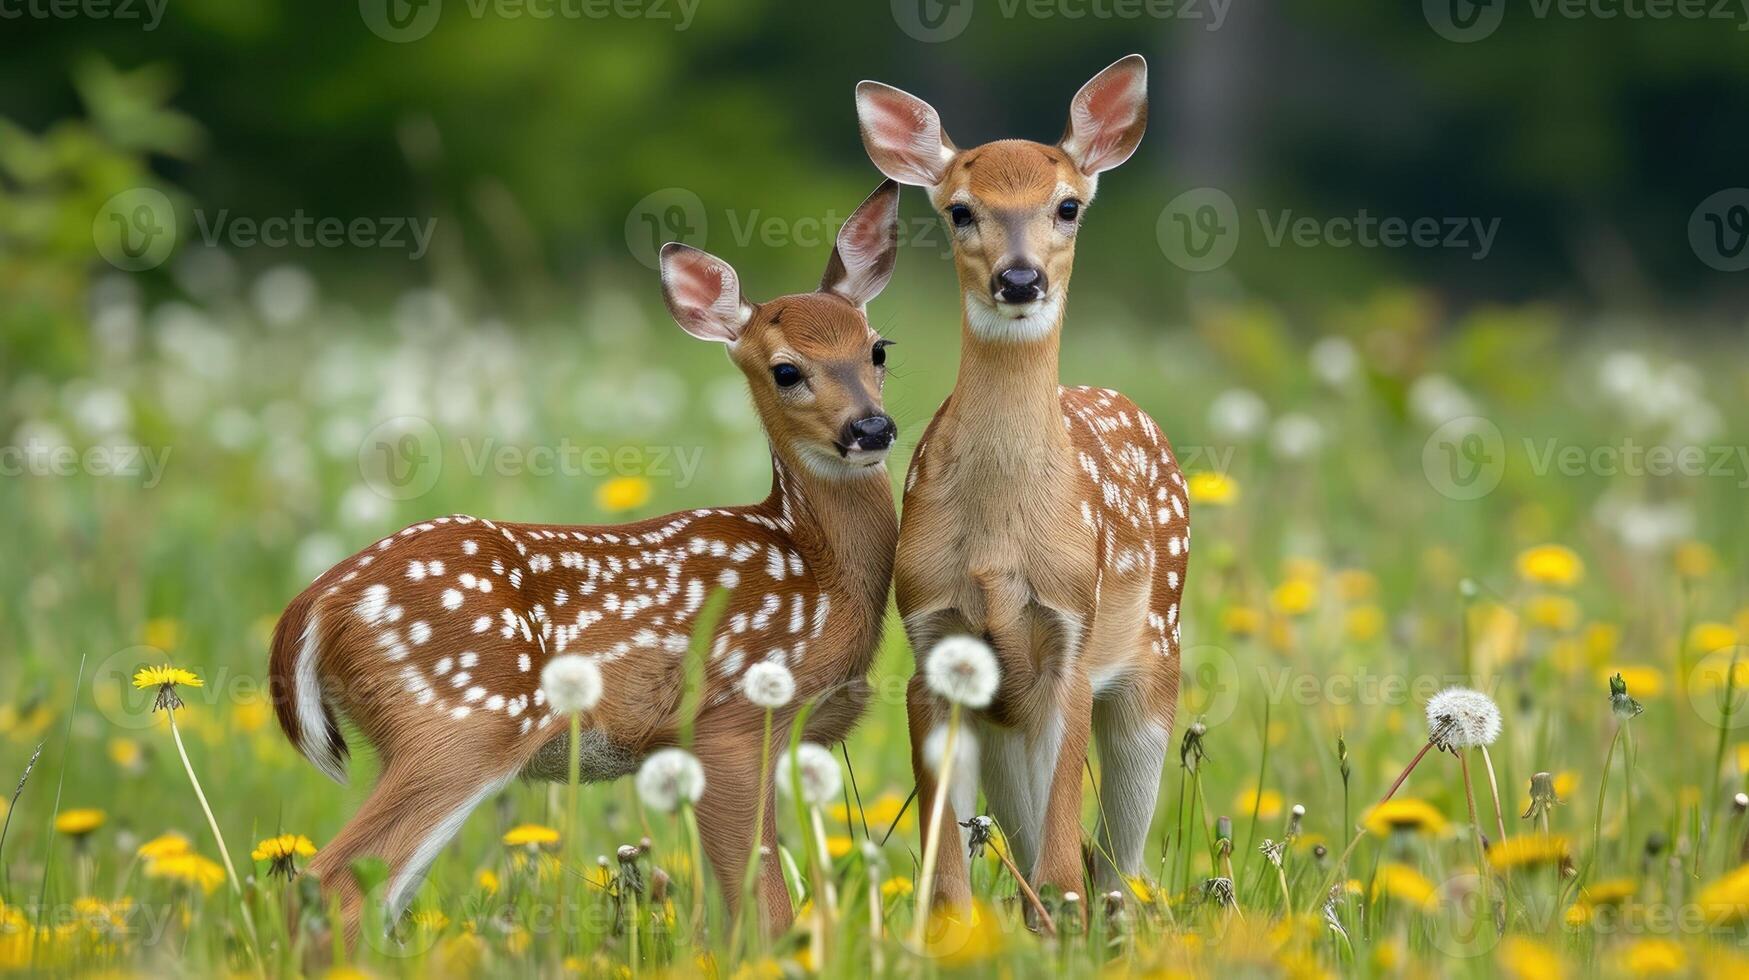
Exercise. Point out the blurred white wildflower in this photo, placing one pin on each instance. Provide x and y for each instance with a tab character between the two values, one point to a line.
1646	526
233	428
572	683
668	778
963	670
1334	361
1238	413
193	342
283	295
1296	436
207	274
1624	374
362	507
98	410
768	684
1461	718
1435	399
817	770
425	314
965	751
317	553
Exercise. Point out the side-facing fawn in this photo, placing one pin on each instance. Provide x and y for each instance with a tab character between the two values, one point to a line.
432	640
1050	521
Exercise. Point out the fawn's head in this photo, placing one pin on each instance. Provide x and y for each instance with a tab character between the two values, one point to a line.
1012	206
814	364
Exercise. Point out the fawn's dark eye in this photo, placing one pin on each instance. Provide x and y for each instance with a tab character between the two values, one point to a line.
1069	210
880	352
786	375
959	214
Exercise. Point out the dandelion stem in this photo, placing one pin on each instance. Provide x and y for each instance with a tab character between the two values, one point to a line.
750	886
213	823
1712	793
1597	815
932	840
574	782
1494	791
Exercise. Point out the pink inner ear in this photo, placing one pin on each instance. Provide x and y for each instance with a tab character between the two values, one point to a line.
701	283
1109	104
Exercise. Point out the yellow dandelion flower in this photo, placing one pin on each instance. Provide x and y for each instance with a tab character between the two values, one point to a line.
166	679
1610	891
896	888
487	881
837	845
622	493
80	823
126	754
1601	640
1212	489
188	869
283	851
1363	624
1694	559
1552	612
1655	956
1408	815
1528	851
1356	585
1726	897
958	939
430	920
1709	637
1522	958
171	844
1241	620
163	632
1551	564
1268	803
252	716
1405	884
531	836
1294	597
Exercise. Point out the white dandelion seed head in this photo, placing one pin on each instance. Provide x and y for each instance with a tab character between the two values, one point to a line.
965	752
768	685
572	683
963	670
670	777
816	769
1460	718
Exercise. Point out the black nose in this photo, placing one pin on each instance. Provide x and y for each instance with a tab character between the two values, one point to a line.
873	433
1019	284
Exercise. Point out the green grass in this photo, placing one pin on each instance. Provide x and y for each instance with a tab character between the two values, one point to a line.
1327	599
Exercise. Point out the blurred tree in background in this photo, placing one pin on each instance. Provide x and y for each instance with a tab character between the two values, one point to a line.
531	140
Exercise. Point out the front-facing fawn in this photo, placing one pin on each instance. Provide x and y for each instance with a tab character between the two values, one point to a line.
1050	521
432	640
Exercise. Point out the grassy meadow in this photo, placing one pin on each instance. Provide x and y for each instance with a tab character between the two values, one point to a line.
1389	499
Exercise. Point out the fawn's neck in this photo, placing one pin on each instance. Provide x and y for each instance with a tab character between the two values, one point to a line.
1006	393
844	524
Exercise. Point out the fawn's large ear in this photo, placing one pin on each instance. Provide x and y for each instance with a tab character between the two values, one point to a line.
868	247
703	294
1108	116
902	134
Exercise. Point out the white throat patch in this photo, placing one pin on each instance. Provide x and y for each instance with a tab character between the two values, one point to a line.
1013	322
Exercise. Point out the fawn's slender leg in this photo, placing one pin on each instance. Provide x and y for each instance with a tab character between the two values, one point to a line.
1132	750
1059	861
415	810
725	821
953	887
1013	787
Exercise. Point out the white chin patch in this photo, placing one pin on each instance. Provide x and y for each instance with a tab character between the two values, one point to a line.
829	465
1013	321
